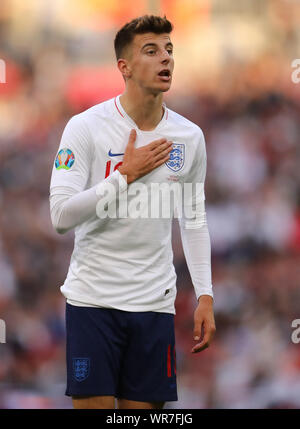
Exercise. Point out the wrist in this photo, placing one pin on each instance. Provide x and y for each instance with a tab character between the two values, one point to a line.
207	299
127	176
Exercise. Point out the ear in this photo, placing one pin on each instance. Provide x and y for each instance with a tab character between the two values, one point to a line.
124	67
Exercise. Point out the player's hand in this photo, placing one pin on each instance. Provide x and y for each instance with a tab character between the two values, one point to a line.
204	316
140	161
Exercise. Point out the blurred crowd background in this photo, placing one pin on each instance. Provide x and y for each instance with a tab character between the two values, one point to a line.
233	78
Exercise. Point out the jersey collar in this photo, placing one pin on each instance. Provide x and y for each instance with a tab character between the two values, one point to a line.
129	120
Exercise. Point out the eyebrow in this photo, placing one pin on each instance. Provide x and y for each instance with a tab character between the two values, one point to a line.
154	44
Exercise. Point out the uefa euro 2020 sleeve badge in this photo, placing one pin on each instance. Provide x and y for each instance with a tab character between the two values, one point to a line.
64	159
177	157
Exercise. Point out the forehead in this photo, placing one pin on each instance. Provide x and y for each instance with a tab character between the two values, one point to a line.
142	39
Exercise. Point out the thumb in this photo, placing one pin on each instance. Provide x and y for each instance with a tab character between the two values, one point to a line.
197	331
132	138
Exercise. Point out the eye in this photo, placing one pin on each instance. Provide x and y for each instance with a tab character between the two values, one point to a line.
151	52
170	51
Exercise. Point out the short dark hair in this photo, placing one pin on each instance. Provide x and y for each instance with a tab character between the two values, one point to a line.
141	25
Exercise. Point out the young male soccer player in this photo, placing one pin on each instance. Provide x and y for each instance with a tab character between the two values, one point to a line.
121	283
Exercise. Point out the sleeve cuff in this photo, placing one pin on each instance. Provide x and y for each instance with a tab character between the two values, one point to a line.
123	185
209	292
116	179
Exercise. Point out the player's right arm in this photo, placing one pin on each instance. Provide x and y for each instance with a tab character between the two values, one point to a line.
70	202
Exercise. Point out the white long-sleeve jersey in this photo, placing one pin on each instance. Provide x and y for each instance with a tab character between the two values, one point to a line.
124	262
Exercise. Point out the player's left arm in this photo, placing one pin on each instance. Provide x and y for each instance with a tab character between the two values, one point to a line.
197	248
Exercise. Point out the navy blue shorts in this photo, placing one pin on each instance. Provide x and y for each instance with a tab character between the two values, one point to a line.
128	355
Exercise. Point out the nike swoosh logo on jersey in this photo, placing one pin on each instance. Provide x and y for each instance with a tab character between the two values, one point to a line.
114	154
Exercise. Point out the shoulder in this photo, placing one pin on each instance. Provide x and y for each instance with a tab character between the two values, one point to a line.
185	125
79	131
94	114
190	130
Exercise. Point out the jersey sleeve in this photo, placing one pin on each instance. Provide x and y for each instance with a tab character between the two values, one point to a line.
69	208
193	226
74	156
192	213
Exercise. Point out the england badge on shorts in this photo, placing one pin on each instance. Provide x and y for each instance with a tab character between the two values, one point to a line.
177	157
81	368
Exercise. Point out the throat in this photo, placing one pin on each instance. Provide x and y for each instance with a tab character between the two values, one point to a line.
150	123
145	115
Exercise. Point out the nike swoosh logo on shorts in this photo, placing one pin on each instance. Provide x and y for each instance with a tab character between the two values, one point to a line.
114	154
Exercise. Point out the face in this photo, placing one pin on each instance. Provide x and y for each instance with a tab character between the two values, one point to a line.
149	62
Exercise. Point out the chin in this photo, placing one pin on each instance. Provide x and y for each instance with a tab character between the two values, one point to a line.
157	89
165	87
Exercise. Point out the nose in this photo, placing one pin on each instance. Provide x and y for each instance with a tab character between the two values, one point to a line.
165	57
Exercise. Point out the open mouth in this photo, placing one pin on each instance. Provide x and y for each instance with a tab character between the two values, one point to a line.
165	75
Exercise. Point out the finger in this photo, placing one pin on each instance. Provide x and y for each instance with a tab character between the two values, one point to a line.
200	347
131	140
197	329
161	161
163	154
162	147
207	339
156	143
198	324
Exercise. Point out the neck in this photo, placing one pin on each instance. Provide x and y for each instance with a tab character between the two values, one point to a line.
145	109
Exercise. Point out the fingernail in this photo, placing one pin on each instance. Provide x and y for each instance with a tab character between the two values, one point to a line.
196	338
